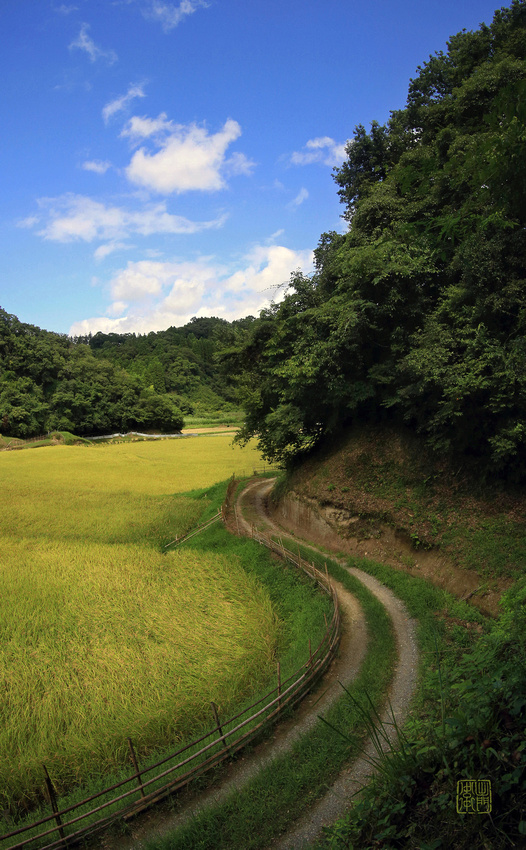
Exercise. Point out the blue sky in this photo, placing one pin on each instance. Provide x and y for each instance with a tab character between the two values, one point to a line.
163	159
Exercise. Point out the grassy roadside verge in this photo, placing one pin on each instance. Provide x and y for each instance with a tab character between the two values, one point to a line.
467	725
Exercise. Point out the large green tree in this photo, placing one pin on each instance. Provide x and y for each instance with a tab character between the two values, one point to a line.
417	312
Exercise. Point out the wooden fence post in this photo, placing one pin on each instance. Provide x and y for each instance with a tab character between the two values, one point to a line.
53	800
219	729
279	685
136	766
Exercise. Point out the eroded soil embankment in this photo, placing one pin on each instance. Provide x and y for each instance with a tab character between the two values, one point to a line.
339	531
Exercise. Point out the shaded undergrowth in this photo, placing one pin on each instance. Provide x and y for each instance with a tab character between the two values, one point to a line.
467	727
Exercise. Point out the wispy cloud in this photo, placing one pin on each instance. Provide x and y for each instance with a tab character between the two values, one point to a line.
85	43
170	15
121	103
189	157
77	218
104	251
322	149
302	195
156	295
65	10
96	165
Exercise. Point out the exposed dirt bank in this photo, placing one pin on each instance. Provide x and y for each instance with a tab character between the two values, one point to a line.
332	528
377	495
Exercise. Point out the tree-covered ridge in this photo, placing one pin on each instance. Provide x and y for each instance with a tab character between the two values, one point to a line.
178	360
108	382
417	314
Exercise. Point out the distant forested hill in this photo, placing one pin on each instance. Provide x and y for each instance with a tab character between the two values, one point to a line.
110	382
417	315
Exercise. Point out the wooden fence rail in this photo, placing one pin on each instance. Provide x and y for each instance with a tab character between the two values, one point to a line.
202	527
224	740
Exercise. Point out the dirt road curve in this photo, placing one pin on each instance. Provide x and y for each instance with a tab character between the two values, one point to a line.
252	504
251	509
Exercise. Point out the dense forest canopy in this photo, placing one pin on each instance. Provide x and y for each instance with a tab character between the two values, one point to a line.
109	382
417	314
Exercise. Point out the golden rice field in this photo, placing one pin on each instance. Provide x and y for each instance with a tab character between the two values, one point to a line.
101	635
155	468
114	493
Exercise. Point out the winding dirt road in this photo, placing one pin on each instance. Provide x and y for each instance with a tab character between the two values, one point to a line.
251	509
253	503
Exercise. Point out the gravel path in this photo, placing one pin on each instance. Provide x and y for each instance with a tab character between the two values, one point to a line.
251	508
337	800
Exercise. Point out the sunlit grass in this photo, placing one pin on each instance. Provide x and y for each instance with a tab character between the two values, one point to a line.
101	635
99	642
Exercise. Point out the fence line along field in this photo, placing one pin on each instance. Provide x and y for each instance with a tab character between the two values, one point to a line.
102	636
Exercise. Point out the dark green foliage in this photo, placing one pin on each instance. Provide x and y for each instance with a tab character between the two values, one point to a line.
417	314
109	382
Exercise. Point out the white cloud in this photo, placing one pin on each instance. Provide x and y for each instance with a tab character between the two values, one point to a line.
96	165
237	164
322	149
117	308
85	43
170	15
65	10
302	195
158	295
73	218
268	270
30	221
121	103
138	129
104	251
189	158
139	280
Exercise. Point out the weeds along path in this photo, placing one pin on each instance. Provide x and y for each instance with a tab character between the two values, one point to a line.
253	505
